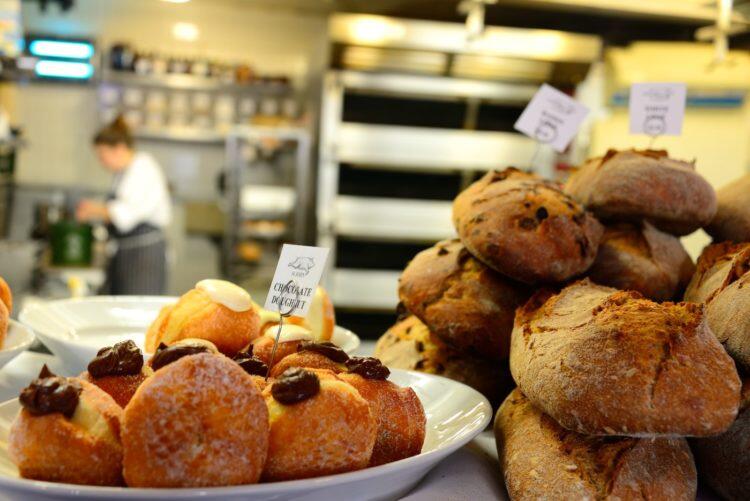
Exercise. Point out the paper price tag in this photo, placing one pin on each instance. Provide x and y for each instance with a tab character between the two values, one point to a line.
657	109
297	275
552	117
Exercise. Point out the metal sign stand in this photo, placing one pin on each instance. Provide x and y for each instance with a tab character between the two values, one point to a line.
281	320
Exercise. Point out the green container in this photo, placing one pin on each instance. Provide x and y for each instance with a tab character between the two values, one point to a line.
71	243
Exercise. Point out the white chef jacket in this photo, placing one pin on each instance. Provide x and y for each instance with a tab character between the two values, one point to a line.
140	195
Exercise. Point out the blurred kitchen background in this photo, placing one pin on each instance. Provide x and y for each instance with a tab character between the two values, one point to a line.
350	124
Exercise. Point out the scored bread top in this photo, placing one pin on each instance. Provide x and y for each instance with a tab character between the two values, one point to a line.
542	460
607	362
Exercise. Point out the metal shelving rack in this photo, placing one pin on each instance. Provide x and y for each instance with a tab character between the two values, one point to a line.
242	180
418	149
400	148
188	85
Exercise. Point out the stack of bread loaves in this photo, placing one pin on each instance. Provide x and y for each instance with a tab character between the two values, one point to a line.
563	286
516	231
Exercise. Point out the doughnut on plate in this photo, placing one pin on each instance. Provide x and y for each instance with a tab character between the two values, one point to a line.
455	415
75	329
18	339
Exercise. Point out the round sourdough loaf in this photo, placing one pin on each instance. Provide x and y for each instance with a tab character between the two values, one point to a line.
724	460
732	220
637	256
462	301
525	227
607	362
410	345
541	460
722	281
632	185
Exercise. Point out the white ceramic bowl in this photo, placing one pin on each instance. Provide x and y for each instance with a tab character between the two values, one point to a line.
75	329
18	339
455	415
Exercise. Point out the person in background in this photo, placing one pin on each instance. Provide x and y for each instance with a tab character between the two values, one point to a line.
137	211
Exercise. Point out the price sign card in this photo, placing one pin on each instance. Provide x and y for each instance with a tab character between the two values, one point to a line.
657	109
552	117
297	275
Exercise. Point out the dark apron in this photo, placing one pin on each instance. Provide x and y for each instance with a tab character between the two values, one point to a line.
139	266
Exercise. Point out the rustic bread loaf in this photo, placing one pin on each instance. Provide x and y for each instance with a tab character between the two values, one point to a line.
542	460
724	460
410	345
526	227
732	220
722	281
462	301
607	362
638	257
632	185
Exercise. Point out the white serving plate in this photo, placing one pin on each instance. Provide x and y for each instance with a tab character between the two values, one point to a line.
455	415
75	329
18	339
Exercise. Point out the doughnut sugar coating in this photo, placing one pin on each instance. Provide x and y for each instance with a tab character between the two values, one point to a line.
331	432
195	315
400	416
121	388
306	359
198	422
83	450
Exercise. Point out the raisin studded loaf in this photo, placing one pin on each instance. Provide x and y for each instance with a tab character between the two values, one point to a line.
607	362
722	281
410	345
724	460
542	460
525	227
732	220
637	256
461	300
633	185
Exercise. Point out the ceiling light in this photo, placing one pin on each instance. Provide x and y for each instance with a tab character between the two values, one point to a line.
373	29
185	32
176	1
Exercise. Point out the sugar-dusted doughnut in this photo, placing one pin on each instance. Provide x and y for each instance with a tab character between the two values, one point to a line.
6	297
324	355
320	425
215	310
165	355
6	306
118	370
199	421
292	335
68	430
320	320
399	413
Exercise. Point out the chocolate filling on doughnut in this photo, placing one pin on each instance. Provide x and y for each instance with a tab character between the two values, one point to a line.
326	348
165	355
368	367
122	359
295	385
49	394
252	365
